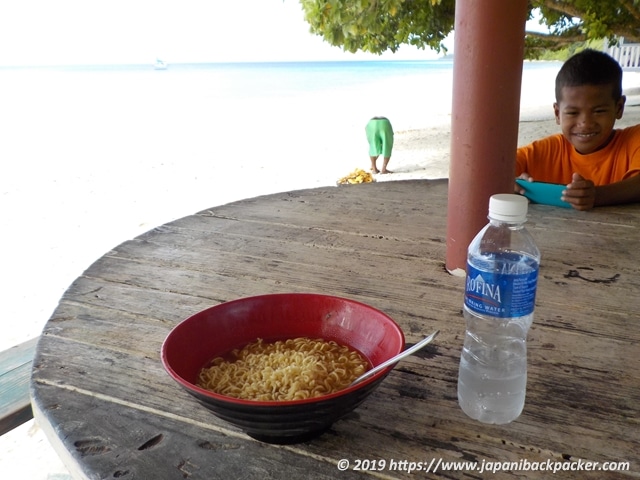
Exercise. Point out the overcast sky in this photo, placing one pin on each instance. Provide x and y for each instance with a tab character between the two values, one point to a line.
62	32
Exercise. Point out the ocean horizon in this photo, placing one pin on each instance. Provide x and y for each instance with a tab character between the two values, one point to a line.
253	79
413	93
204	64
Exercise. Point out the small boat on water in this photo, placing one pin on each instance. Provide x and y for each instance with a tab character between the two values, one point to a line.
160	64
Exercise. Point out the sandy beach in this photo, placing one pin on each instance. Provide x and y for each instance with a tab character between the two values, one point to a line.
62	214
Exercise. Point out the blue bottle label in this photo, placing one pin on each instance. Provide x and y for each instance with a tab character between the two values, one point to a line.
500	294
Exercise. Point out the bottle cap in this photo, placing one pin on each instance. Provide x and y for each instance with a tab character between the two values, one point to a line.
508	207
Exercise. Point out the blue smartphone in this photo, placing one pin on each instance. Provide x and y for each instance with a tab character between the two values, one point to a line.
545	193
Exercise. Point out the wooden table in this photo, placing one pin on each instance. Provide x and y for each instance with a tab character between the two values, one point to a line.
106	403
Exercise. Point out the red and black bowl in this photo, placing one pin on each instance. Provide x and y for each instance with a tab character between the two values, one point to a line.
214	332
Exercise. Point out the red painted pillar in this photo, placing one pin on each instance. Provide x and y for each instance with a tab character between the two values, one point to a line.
487	75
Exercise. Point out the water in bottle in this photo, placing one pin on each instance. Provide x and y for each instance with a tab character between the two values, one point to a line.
502	274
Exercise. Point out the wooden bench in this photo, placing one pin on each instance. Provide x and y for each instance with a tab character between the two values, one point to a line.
15	373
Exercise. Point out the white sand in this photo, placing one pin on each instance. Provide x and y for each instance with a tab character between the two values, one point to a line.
60	214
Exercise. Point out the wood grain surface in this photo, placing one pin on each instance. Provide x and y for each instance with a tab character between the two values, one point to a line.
102	395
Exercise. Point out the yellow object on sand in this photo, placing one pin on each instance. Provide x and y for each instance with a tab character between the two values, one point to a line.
357	176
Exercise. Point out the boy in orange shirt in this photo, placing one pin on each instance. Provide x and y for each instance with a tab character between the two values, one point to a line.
599	164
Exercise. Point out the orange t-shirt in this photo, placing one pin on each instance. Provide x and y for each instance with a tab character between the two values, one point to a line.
553	159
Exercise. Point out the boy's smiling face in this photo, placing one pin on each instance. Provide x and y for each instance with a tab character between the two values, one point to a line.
587	114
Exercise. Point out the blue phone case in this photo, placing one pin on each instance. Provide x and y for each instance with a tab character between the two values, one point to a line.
545	193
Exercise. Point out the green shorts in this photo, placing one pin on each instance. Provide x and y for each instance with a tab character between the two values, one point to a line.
380	137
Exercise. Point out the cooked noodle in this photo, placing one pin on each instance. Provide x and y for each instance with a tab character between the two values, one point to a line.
291	369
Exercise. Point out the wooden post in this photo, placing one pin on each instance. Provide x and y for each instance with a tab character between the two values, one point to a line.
487	76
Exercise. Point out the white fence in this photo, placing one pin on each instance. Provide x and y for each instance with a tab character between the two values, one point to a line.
627	55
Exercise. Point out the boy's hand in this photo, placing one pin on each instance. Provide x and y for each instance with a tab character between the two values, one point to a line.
580	193
517	188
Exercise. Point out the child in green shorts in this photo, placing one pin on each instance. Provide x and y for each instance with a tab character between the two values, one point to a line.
380	137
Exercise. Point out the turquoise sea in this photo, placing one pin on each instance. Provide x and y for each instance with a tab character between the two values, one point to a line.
257	79
357	89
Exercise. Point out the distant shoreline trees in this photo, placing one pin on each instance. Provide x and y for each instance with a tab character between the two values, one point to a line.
378	26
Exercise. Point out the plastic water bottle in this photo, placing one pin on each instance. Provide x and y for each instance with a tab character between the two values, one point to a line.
502	275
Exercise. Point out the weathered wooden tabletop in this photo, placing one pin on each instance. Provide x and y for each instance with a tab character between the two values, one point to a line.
106	403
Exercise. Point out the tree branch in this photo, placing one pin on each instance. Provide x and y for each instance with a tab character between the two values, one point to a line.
631	8
622	29
565	8
629	32
556	38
